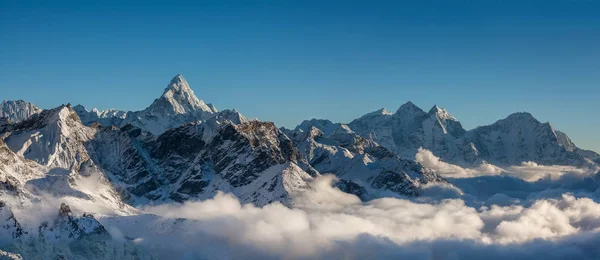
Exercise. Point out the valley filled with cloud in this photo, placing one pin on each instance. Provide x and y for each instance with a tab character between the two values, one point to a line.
544	212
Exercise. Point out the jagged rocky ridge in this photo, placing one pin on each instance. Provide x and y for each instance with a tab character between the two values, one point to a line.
253	160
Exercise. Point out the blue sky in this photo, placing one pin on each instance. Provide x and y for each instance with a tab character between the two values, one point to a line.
286	61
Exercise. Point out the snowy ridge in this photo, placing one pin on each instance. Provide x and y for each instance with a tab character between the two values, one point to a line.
52	138
18	110
253	160
179	98
511	141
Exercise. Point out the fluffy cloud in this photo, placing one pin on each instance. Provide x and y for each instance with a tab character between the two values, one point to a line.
431	161
524	212
529	171
327	222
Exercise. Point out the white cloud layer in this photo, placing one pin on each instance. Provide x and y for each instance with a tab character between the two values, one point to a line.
528	171
524	212
328	222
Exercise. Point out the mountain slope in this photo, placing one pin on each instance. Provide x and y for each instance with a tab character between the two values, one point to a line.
53	138
363	167
521	138
193	152
252	160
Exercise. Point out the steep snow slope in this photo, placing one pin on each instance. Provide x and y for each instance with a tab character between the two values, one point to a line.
53	138
363	167
18	110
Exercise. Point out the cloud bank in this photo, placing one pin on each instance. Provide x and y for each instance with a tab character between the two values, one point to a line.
523	212
528	171
327	222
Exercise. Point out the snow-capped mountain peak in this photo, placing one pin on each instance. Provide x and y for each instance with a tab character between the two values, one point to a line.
441	113
379	112
520	117
179	98
177	106
64	115
409	107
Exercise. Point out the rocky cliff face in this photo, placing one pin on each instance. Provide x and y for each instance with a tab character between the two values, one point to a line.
253	160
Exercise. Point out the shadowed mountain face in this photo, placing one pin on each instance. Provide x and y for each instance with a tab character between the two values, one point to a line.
253	160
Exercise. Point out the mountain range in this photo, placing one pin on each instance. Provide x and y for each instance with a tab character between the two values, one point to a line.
182	149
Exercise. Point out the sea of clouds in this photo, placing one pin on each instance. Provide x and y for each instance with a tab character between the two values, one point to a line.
522	212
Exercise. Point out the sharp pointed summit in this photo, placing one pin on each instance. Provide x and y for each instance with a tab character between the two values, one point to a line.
179	98
409	107
178	85
441	113
436	109
177	105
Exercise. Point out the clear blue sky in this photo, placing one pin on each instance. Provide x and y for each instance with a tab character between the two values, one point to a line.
285	61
